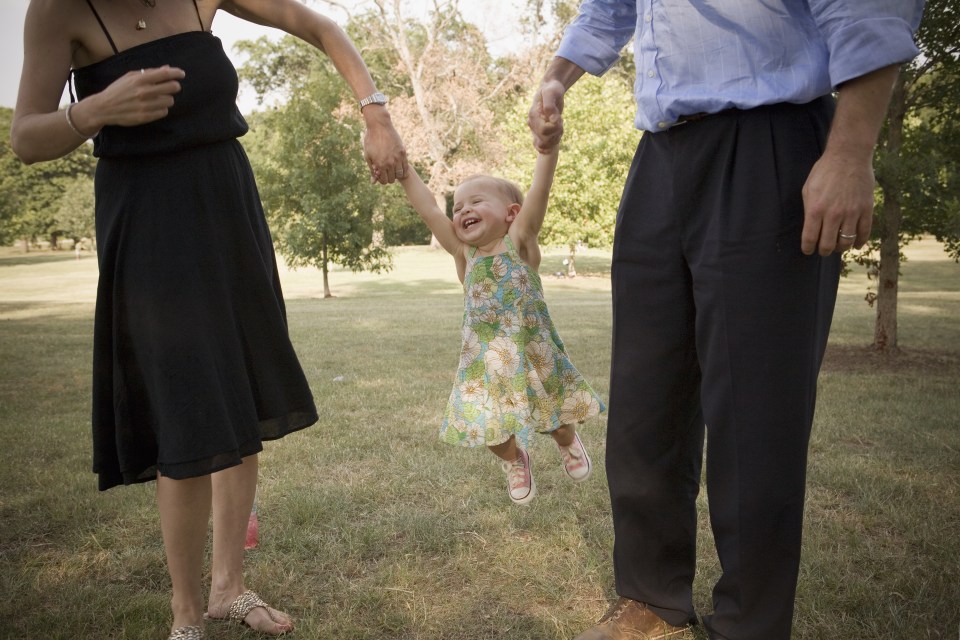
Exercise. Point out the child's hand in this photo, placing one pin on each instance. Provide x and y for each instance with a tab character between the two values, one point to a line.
399	175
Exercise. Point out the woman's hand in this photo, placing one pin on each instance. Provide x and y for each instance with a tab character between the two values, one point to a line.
137	97
382	147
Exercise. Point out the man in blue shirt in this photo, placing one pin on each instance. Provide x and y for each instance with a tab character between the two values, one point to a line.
750	182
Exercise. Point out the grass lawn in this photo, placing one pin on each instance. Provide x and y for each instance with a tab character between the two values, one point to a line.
372	529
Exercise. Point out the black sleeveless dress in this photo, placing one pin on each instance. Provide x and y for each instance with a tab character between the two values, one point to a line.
193	366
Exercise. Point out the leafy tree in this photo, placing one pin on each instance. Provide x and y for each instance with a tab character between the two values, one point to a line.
30	194
75	217
917	163
310	166
10	167
402	225
598	144
444	87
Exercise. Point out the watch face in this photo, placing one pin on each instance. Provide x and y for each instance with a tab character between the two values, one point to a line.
376	98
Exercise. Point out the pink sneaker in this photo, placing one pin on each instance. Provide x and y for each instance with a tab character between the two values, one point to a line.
576	462
520	482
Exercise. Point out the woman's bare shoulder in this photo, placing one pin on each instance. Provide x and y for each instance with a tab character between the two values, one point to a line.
51	22
59	13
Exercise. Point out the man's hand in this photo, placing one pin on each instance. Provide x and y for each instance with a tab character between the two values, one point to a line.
838	193
838	204
546	116
546	113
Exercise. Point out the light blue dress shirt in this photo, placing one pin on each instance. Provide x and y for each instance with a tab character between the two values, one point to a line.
704	56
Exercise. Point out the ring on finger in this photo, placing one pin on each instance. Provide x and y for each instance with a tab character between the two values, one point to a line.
846	236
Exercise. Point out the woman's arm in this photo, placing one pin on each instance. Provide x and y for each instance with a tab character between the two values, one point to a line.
383	148
40	131
525	230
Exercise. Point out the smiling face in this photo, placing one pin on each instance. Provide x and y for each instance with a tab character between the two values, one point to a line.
483	209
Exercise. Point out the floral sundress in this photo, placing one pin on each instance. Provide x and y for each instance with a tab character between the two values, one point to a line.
514	375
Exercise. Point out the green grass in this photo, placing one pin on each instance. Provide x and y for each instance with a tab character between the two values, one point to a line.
370	528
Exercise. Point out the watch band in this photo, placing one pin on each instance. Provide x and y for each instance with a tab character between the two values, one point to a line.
374	98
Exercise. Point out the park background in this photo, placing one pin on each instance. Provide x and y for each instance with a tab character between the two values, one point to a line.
371	528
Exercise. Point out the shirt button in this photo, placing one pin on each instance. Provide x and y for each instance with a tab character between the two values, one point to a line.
651	73
647	18
663	125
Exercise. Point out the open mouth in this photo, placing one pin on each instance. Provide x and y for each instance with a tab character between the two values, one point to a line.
469	222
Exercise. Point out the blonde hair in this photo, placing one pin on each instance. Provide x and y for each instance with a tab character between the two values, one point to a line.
506	188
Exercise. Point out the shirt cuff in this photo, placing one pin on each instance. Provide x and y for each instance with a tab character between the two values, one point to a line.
869	45
588	52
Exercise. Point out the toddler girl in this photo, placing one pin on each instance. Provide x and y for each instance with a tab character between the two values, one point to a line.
514	374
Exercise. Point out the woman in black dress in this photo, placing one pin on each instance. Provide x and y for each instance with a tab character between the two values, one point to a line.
193	367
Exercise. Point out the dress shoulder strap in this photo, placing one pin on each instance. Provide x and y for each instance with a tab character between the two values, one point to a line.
199	19
511	249
104	27
507	242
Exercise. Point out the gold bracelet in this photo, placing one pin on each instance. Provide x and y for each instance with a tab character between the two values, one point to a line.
74	127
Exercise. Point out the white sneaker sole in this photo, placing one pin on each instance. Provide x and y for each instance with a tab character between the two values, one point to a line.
527	499
589	464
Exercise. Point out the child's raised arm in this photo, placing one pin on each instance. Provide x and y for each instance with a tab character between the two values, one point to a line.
442	227
526	228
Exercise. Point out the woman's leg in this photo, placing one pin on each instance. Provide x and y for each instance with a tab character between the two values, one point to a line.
233	493
184	512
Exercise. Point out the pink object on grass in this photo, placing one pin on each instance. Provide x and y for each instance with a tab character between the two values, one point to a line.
253	531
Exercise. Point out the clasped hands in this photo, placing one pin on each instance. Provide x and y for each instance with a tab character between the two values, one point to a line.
384	150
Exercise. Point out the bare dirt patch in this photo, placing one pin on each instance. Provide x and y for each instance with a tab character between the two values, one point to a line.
866	359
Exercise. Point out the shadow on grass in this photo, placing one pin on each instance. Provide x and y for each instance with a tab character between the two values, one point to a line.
922	276
22	310
866	359
383	288
8	260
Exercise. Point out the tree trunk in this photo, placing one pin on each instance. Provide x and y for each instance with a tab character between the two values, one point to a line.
885	328
325	269
377	239
888	279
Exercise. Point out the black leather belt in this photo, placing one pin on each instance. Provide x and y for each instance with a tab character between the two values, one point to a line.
694	117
